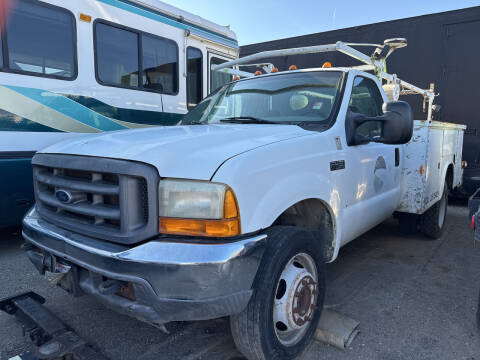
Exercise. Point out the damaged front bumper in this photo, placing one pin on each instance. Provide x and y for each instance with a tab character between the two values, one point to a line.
162	280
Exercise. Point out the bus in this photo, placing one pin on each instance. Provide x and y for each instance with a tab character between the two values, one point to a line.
70	68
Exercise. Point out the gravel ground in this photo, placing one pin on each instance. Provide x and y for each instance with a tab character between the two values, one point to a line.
414	298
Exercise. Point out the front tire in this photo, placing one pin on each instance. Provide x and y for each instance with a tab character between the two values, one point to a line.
288	293
432	221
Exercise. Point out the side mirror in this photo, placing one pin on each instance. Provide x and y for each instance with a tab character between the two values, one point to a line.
396	121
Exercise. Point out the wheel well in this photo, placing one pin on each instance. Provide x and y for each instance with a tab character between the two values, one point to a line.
449	177
312	214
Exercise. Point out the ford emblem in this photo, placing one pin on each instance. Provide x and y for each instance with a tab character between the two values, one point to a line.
63	196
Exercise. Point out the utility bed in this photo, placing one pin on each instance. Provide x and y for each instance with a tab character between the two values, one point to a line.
434	145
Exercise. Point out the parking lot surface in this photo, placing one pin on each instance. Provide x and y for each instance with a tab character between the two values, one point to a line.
415	299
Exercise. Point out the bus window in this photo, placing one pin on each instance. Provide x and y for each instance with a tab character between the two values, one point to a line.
40	40
217	78
194	77
117	56
159	64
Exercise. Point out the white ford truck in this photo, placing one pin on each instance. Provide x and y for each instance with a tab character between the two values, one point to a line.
235	211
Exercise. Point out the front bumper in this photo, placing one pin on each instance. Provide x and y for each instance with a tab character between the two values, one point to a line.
172	280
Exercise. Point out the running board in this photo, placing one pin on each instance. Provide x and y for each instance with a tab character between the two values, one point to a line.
52	338
336	329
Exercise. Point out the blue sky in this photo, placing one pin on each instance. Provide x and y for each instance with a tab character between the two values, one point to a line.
262	20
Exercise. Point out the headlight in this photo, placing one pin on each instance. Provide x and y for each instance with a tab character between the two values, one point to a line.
201	208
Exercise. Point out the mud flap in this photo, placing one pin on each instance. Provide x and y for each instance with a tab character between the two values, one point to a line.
52	338
336	329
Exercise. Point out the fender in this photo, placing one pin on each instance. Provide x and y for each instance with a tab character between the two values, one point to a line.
443	177
270	179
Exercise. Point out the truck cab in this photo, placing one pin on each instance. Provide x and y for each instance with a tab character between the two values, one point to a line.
235	211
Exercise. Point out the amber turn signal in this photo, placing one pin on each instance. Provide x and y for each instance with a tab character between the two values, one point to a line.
327	64
292	67
230	207
196	227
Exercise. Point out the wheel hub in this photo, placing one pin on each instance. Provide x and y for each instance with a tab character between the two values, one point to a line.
295	299
304	300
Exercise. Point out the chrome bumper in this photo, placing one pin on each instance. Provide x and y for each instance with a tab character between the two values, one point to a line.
173	279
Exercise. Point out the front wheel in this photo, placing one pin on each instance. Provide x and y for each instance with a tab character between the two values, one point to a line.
288	292
432	221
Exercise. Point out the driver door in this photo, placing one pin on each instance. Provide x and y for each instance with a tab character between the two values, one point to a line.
373	170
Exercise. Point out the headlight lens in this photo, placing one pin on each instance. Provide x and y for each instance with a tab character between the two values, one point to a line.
191	199
202	208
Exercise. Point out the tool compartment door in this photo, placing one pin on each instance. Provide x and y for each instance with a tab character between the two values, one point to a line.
413	181
433	168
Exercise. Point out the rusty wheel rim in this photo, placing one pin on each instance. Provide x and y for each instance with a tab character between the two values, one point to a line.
295	299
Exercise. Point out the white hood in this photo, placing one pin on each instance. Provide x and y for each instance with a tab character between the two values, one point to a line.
191	152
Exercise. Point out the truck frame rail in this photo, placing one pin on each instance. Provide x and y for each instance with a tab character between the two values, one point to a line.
52	338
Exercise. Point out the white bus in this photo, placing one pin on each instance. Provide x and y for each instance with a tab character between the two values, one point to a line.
86	66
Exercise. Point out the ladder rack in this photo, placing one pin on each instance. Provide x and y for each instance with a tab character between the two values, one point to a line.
376	62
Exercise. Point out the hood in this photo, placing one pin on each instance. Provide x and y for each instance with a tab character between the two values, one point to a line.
193	152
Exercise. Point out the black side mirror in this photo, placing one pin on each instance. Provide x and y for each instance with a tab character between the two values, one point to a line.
397	124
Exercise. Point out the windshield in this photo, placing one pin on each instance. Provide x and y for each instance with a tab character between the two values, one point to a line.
297	98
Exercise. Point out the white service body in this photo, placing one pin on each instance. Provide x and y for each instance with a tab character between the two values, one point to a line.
434	147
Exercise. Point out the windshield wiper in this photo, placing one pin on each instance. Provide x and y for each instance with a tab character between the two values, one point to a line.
247	120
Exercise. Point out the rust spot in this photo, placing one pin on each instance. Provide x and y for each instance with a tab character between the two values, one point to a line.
128	292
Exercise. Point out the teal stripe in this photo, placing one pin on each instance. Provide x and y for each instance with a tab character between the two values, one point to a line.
155	15
87	110
12	122
129	115
69	108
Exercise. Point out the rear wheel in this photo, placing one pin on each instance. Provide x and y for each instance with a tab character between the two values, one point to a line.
283	313
432	221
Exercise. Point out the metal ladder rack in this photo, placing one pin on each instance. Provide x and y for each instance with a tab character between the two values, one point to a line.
376	62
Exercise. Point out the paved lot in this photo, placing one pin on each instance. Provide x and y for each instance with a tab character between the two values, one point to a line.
415	299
